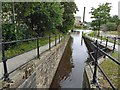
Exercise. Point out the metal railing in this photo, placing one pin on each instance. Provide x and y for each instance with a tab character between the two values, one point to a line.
112	40
98	50
4	59
107	39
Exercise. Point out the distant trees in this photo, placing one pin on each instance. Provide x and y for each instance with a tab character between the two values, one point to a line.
68	16
102	19
111	26
100	15
28	19
115	19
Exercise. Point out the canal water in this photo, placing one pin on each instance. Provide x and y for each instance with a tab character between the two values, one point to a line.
71	68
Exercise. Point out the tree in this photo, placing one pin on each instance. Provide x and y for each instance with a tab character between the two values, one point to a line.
41	17
31	18
68	16
37	18
115	19
111	26
101	15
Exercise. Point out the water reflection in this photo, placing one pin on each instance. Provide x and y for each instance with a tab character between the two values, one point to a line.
71	68
64	68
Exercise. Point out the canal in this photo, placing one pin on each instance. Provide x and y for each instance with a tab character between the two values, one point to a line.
71	68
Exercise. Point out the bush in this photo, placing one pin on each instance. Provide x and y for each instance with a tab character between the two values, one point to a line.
111	26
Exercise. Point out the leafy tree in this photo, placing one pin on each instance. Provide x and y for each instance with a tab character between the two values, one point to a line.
69	9
41	17
8	32
115	19
101	15
111	26
36	18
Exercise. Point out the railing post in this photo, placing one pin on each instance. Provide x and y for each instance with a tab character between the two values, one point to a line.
95	62
106	42
59	38
106	45
49	42
101	38
55	39
82	33
38	54
114	45
6	75
94	36
82	38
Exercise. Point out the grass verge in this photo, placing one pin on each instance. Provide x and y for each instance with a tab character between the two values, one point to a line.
111	70
22	47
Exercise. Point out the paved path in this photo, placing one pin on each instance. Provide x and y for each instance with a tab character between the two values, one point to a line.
104	42
108	43
19	60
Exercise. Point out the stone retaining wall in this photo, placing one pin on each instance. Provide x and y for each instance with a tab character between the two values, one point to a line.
45	68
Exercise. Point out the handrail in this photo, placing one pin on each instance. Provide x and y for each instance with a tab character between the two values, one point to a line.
106	77
6	73
24	40
102	71
97	65
115	60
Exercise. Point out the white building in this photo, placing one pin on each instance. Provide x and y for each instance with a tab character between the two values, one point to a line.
77	20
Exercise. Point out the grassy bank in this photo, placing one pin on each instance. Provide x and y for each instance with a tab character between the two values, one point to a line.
111	70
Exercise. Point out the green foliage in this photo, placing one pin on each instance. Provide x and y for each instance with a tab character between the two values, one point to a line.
8	32
77	27
100	15
40	17
115	19
111	26
22	20
36	18
68	16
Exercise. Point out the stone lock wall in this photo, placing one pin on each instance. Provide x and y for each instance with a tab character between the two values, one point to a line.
45	68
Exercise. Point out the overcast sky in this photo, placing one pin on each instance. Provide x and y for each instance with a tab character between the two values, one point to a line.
94	3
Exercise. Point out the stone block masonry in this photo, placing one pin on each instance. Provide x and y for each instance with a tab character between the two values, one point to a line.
44	69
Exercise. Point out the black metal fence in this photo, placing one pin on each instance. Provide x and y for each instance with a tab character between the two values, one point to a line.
96	52
4	44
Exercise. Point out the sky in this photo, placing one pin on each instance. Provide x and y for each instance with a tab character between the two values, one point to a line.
94	3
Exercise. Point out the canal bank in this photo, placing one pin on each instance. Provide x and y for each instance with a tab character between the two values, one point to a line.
71	68
103	69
